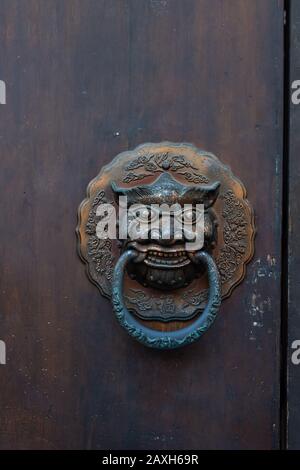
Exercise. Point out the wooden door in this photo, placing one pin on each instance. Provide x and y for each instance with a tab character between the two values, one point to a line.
291	254
86	80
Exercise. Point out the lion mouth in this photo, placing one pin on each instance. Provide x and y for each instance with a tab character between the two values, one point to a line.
166	260
157	256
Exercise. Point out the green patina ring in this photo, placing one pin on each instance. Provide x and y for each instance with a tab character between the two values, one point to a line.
166	339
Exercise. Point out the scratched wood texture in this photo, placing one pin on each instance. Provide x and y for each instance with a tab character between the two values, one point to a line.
86	80
293	370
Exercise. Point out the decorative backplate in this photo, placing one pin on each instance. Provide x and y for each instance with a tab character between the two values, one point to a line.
186	166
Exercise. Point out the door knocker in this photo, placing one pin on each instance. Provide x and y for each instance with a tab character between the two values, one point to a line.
165	276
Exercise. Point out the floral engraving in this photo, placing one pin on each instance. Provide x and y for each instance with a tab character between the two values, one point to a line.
195	299
164	305
234	235
160	162
99	251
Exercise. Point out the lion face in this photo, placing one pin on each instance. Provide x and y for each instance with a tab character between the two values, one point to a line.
162	220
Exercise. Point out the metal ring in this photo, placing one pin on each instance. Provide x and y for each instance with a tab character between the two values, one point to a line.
166	339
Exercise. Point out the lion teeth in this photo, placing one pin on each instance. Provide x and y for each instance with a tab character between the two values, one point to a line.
167	254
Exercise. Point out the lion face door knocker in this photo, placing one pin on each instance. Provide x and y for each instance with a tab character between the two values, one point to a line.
166	231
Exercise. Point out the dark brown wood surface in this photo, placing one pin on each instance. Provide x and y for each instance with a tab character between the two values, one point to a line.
293	370
86	80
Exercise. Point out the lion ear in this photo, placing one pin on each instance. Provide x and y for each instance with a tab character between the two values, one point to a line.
133	194
201	194
117	192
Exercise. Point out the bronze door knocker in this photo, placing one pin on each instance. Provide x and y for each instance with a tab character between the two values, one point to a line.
165	292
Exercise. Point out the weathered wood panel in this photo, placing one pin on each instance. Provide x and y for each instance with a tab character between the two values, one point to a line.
293	370
86	80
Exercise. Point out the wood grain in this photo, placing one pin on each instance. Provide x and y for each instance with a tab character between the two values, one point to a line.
86	80
293	370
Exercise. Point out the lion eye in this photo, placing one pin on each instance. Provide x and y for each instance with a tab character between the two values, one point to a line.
146	214
191	215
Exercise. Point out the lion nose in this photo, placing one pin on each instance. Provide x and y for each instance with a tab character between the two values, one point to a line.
166	232
163	235
167	235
